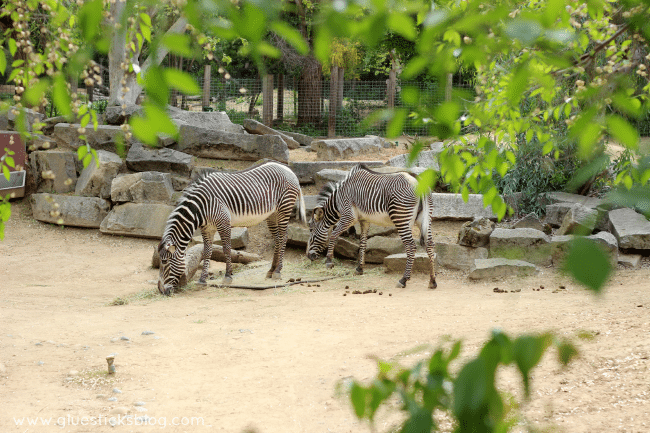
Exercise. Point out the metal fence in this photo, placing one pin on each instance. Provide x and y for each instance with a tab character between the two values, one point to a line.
242	98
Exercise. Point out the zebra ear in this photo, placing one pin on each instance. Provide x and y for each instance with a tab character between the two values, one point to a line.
318	213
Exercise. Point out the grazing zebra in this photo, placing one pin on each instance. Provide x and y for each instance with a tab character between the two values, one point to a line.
370	197
218	201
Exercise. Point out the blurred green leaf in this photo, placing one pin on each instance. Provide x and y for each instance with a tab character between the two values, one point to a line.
527	351
623	132
358	399
3	62
178	44
61	97
588	264
181	81
291	35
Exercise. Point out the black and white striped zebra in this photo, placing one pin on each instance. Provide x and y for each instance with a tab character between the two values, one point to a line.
372	198
219	201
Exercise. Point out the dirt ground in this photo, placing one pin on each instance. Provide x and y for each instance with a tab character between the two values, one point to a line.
237	360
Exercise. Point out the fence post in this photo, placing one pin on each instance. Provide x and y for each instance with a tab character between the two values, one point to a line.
207	74
392	84
334	79
448	86
267	100
339	100
280	109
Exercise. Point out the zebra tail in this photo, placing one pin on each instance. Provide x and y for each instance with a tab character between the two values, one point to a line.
425	217
300	208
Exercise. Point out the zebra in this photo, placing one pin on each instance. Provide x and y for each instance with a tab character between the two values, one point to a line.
370	197
219	201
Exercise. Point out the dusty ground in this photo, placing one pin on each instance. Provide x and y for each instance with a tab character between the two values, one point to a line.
231	360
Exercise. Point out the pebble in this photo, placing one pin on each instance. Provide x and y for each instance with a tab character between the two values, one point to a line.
143	419
157	337
141	409
112	399
125	338
40	363
139	403
119	411
113	340
245	330
147	332
112	421
116	391
100	396
38	344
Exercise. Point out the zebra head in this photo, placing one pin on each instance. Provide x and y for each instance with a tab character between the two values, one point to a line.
318	234
172	267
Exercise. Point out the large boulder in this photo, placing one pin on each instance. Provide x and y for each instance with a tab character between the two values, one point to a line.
142	158
298	235
238	238
69	210
144	220
95	180
565	197
9	119
560	246
476	233
252	126
107	137
215	120
144	187
329	175
453	256
630	228
501	268
579	220
531	221
217	144
54	171
425	159
521	244
453	207
341	148
306	170
397	263
302	139
378	247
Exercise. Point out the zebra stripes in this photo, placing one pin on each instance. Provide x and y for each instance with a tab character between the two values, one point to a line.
370	197
218	201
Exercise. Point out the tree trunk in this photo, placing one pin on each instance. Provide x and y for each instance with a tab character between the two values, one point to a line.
280	109
309	93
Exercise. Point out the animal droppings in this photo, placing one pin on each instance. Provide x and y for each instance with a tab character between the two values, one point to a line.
541	287
291	280
562	288
381	293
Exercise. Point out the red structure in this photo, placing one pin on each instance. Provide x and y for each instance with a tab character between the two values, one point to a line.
10	140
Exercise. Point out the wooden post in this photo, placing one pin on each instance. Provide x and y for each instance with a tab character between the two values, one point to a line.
267	100
448	86
339	95
207	74
334	81
90	93
280	109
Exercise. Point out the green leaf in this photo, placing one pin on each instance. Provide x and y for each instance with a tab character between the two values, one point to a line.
588	264
426	182
525	30
566	352
90	17
358	399
6	172
623	132
10	161
410	95
156	86
178	44
146	19
527	351
3	62
395	126
81	152
291	35
181	81
61	97
517	85
12	46
35	92
403	25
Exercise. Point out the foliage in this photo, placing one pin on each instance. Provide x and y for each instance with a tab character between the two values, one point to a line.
469	397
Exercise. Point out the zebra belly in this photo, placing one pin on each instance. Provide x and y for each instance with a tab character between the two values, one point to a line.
249	220
380	219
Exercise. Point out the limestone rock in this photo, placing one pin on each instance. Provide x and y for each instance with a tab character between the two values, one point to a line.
146	220
501	268
143	187
298	235
328	175
141	158
397	263
378	247
95	181
306	170
531	221
106	137
476	233
54	171
425	159
453	256
630	228
579	219
529	244
341	148
41	142
69	210
254	127
453	207
631	261
238	238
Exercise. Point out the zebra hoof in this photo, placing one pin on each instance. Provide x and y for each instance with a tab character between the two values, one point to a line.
329	265
269	274
400	285
226	281
358	271
433	285
201	283
277	276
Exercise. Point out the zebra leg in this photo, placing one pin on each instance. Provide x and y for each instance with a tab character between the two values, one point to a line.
362	247
208	237
280	246
430	246
224	233
409	245
344	223
272	223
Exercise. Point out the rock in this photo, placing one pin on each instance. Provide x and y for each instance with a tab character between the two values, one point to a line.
9	119
215	120
302	139
378	247
146	220
95	181
179	183
531	221
121	410
328	175
117	115
306	170
529	244
139	403
453	256
425	159
341	148
143	187
579	220
217	255
209	143
148	332
238	238
555	213
632	261
500	268
124	338
476	233
310	204
630	228
254	127
116	390
565	197
41	142
374	230
560	246
298	235
111	399
72	210
54	171
453	207
107	137
141	158
609	245
397	263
